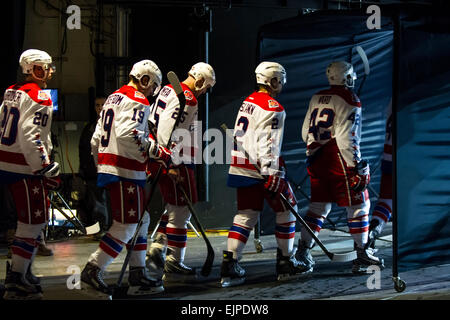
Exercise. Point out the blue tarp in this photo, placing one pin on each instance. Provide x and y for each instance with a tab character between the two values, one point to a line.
423	143
306	44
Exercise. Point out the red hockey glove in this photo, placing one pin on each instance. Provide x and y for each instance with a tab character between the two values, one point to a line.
275	184
361	177
160	154
53	183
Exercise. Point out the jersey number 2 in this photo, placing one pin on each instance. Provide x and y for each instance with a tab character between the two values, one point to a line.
9	124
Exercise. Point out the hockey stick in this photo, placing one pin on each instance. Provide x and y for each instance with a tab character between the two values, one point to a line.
337	257
365	61
207	266
175	82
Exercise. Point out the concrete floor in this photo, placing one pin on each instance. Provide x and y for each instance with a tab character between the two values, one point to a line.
329	280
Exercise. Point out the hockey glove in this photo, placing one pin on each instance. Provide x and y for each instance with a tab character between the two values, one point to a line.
53	183
275	184
159	153
361	177
52	170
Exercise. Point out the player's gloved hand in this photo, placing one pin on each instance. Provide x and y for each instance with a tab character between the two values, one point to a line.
52	170
52	183
161	155
275	184
361	177
174	174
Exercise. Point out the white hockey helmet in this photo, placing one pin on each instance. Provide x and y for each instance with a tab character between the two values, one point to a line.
33	57
340	73
205	71
266	71
150	69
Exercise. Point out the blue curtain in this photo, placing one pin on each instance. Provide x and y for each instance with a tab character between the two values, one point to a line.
305	46
423	143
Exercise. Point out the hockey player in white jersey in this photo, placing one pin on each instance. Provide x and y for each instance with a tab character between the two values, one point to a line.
259	128
332	133
121	147
26	168
166	253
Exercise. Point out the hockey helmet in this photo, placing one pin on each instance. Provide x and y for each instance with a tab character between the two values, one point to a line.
266	71
205	71
150	69
340	73
33	57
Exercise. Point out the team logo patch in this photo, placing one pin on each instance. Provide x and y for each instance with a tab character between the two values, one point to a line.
42	95
139	95
188	95
273	104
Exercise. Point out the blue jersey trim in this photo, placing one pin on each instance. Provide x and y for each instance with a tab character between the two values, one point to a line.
236	181
104	179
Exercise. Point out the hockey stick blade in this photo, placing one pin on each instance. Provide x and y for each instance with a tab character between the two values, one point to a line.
336	257
364	59
175	82
207	265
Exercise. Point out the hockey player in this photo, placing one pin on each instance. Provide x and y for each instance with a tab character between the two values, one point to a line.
121	147
25	166
332	133
383	209
166	253
259	129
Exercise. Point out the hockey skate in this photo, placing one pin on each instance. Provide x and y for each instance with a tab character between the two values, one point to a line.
232	274
177	271
288	268
304	257
364	260
17	287
141	285
93	283
156	257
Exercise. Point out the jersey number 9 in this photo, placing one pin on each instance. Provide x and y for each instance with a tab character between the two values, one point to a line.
107	118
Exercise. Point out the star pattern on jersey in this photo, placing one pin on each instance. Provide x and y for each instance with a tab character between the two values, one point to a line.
38	213
35	190
131	212
130	189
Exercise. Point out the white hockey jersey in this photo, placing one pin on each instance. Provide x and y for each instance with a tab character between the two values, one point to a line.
334	114
164	113
120	140
25	141
259	129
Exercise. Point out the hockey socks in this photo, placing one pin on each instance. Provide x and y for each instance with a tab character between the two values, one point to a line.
237	238
382	212
315	222
107	251
359	229
23	252
285	234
